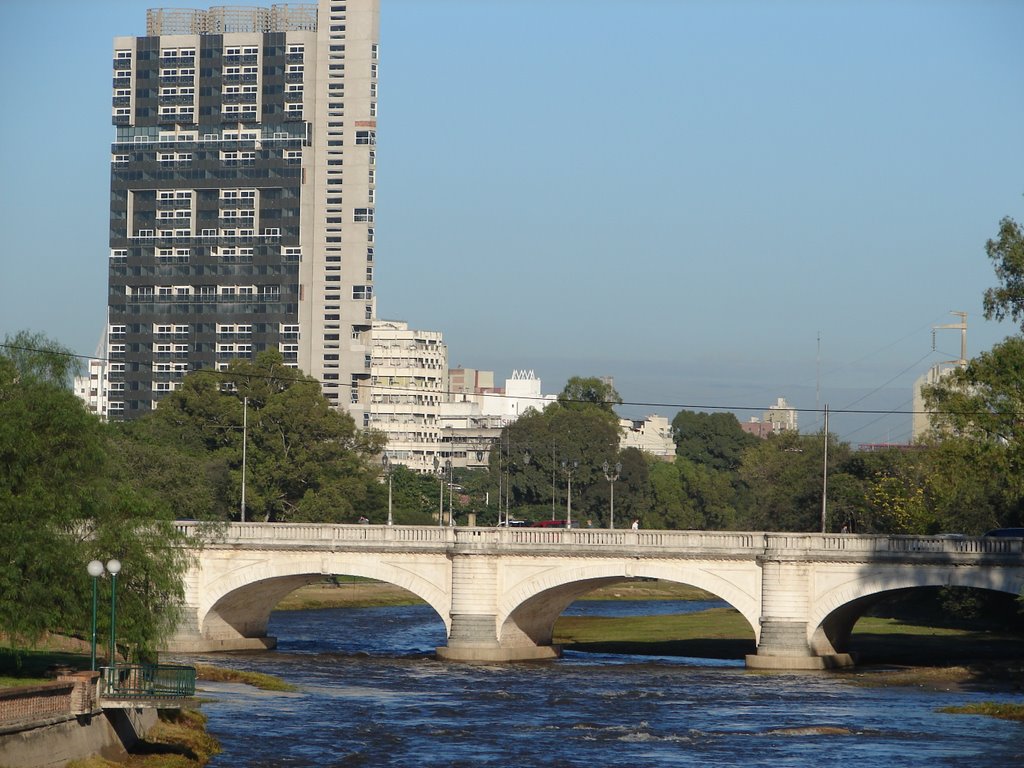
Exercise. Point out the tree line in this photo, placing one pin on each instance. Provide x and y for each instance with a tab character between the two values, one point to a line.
73	488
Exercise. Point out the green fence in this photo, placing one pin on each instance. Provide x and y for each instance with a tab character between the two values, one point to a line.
148	681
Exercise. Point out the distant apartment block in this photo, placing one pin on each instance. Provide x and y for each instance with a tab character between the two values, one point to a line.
477	411
242	197
780	417
652	435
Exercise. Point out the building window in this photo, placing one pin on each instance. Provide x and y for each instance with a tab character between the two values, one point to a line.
363	214
366	137
362	292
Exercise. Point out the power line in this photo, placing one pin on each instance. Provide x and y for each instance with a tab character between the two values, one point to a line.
300	376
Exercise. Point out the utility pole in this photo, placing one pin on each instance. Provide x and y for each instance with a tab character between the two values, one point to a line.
824	476
245	429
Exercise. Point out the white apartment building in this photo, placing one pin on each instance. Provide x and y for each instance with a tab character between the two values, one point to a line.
408	384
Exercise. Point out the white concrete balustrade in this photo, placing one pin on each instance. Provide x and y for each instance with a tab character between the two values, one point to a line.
500	590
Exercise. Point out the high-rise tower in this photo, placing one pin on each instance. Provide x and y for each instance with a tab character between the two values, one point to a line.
242	194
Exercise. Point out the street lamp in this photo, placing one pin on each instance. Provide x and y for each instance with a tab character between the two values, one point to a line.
95	569
611	474
450	471
440	490
387	471
569	467
114	568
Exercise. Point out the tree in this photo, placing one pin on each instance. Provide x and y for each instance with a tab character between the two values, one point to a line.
784	475
582	391
977	413
305	462
714	439
62	506
1007	253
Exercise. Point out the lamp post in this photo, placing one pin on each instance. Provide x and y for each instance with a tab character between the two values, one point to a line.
95	569
611	474
387	471
569	467
450	471
114	568
440	490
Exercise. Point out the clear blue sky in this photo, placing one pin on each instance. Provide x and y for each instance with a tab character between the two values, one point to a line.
681	194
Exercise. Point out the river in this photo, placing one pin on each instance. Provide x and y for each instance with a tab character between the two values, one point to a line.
370	694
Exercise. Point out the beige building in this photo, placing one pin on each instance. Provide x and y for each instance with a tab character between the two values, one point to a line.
408	384
651	435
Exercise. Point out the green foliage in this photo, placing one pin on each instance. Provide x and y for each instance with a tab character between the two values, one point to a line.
712	439
784	475
305	462
1007	254
540	452
977	418
583	391
62	506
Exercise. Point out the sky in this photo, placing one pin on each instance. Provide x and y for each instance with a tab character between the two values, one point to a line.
716	202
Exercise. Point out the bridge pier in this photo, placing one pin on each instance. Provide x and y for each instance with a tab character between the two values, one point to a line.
785	642
474	634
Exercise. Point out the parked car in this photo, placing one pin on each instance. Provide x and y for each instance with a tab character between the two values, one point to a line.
1016	533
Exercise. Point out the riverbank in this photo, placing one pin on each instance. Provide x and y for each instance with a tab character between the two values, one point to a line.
364	593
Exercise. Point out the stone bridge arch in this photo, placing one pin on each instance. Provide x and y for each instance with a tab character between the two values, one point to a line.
528	609
239	594
836	611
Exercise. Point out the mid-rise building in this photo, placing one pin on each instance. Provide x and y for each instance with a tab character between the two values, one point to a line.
408	383
242	196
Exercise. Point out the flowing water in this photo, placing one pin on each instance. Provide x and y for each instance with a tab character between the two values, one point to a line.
370	694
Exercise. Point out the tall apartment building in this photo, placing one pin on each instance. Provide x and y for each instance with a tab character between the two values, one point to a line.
242	193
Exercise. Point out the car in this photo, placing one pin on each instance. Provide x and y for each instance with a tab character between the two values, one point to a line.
512	524
1016	533
551	524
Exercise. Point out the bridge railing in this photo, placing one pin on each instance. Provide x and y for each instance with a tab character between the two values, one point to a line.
738	543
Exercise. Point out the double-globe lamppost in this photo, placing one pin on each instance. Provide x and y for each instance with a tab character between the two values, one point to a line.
440	490
611	474
95	569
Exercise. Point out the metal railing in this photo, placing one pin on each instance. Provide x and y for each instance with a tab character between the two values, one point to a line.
148	681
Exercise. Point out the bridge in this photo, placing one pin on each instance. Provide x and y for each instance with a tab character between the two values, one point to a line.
499	591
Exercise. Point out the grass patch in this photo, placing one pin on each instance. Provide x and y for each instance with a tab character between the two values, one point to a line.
348	593
255	679
990	709
718	633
